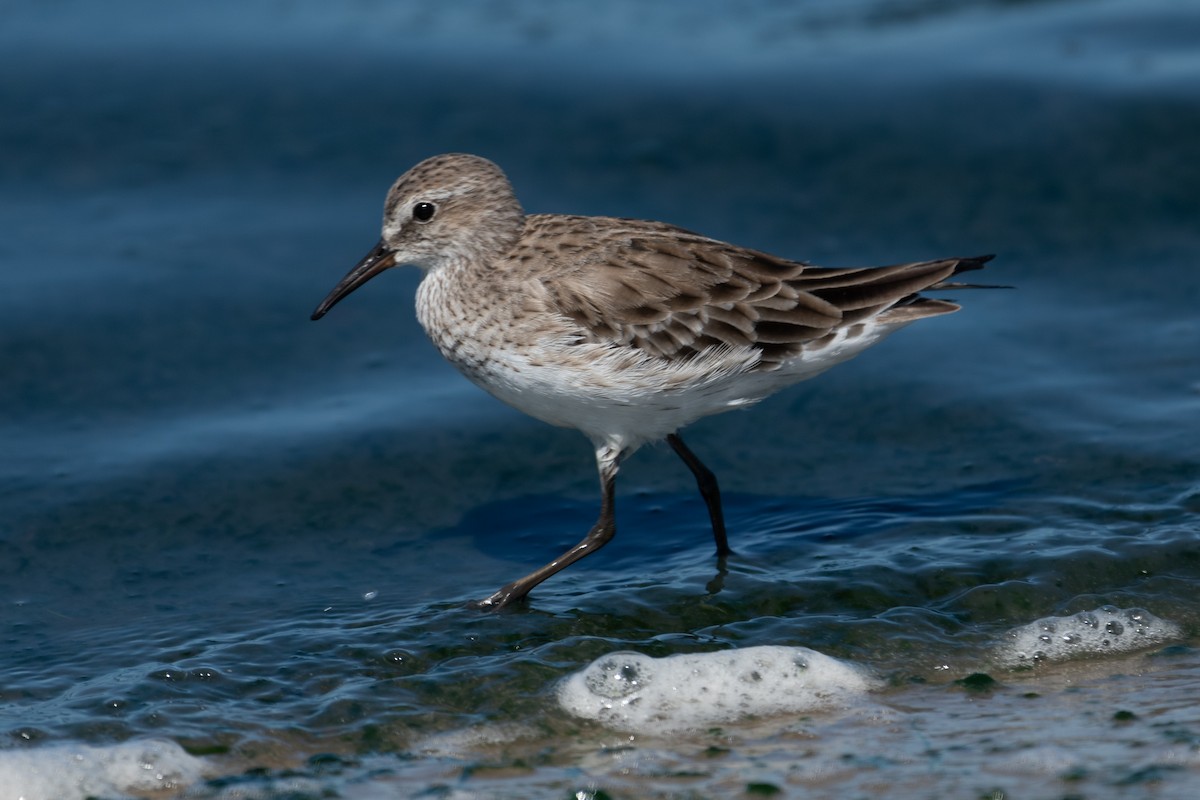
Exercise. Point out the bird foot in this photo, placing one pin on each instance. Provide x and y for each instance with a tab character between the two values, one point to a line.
501	599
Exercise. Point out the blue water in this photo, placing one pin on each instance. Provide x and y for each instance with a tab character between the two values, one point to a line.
232	529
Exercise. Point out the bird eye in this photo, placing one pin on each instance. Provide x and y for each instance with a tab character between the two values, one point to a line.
423	212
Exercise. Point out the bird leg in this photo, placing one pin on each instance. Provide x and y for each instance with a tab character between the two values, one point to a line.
706	481
607	460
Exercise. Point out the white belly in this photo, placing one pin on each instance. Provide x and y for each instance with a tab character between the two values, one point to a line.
540	365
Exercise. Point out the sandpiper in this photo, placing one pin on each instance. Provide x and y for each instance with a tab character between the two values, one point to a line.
624	329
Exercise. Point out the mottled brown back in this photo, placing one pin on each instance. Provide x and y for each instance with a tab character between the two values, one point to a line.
674	293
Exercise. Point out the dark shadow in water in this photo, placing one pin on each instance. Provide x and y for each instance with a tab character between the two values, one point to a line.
652	526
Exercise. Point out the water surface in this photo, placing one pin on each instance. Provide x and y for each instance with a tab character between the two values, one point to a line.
242	535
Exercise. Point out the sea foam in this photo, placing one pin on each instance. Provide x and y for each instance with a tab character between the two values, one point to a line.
75	772
633	692
1106	630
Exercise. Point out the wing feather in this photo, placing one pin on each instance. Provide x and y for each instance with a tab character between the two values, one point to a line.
675	294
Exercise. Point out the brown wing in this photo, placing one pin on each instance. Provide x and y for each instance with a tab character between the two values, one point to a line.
674	294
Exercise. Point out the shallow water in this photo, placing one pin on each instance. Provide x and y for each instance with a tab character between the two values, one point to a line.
237	545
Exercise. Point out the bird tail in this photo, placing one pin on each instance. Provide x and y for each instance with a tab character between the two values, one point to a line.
967	265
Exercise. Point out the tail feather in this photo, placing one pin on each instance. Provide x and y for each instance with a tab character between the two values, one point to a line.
917	306
966	265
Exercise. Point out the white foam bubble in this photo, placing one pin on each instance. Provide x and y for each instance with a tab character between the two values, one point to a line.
1106	630
75	772
637	693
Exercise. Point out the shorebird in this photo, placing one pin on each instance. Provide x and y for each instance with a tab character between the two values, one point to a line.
625	329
